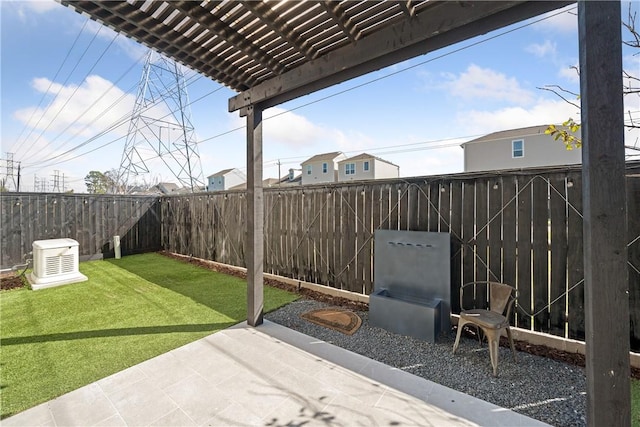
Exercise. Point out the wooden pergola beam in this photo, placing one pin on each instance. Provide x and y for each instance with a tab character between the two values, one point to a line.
605	216
255	218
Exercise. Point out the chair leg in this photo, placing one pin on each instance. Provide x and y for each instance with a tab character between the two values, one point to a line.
480	334
513	349
461	324
493	338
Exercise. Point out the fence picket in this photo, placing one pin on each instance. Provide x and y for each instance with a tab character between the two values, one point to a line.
457	243
495	203
540	247
524	279
575	258
482	230
559	245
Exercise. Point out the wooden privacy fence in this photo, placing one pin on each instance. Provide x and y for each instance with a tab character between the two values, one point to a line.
92	220
521	227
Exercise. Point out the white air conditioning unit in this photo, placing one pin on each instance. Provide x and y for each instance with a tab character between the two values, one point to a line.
55	263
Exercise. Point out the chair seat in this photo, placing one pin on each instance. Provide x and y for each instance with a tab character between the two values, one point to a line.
485	318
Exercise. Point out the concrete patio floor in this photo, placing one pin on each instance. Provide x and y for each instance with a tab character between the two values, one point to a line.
265	376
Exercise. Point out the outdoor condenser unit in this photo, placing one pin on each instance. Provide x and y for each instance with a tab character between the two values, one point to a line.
55	263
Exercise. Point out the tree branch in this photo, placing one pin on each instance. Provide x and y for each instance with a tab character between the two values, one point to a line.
551	89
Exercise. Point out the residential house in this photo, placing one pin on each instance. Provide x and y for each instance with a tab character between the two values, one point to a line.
225	180
365	166
291	179
321	168
166	188
516	149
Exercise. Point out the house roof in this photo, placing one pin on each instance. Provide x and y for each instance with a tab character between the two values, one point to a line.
366	156
297	180
268	182
511	133
169	185
280	50
225	172
323	157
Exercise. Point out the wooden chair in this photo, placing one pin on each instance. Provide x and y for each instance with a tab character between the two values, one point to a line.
491	321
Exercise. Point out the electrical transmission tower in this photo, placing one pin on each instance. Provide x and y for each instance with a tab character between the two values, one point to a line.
11	180
161	128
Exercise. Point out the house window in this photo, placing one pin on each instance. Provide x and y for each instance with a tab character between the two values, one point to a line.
517	148
349	168
325	168
365	166
308	169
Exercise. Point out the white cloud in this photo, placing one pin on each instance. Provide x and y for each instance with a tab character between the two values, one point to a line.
486	84
570	74
449	159
39	6
34	146
544	50
560	21
289	128
46	86
26	10
543	112
78	110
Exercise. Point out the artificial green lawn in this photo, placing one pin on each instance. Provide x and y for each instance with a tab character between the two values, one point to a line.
132	309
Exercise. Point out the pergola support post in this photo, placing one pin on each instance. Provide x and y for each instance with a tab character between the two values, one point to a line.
255	218
605	224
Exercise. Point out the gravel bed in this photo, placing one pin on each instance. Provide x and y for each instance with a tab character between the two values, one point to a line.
541	388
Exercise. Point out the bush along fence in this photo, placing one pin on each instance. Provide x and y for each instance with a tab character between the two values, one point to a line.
523	228
90	219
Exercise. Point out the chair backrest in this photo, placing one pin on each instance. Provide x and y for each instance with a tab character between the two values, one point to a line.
501	296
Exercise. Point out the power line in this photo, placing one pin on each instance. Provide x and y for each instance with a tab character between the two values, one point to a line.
123	96
64	61
77	88
61	86
124	120
364	83
117	123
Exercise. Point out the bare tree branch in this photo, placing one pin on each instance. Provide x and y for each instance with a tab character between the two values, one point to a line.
551	89
630	25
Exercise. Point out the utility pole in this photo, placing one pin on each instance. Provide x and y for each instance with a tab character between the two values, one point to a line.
279	176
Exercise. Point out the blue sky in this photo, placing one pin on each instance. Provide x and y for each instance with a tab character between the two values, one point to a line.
414	114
